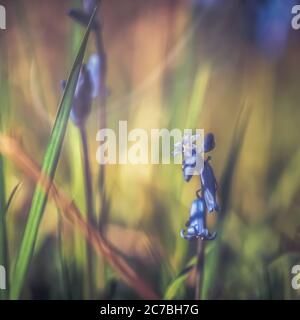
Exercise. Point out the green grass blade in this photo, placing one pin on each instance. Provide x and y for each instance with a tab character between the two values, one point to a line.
3	239
212	265
4	117
11	197
287	186
49	167
4	252
197	97
176	289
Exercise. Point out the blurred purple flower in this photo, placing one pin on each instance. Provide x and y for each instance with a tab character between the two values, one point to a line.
273	25
205	3
86	90
94	69
82	100
89	6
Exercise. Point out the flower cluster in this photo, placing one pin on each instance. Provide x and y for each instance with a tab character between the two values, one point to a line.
206	197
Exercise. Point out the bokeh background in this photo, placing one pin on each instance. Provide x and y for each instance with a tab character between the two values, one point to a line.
231	67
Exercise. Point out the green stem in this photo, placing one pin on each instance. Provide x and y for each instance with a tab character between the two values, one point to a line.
102	120
199	269
89	204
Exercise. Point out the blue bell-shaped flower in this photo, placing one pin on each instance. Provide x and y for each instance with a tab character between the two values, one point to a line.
189	162
196	226
189	165
209	187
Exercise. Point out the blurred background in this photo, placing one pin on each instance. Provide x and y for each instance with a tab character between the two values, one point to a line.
170	64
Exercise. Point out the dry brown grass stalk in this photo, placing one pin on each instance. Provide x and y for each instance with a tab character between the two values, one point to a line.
11	149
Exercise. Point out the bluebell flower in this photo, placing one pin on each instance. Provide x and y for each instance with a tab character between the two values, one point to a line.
188	149
94	69
187	143
89	6
196	226
190	153
209	142
189	165
209	186
87	89
273	25
82	100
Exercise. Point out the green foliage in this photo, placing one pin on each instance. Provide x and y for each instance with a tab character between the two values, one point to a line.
213	264
280	277
176	289
48	169
255	249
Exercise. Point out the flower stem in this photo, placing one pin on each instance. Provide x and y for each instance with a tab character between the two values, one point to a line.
102	120
89	204
199	269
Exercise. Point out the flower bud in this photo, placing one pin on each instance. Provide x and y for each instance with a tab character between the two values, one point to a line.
209	142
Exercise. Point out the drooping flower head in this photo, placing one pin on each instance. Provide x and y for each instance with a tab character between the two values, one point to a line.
209	187
82	100
89	6
273	25
196	226
94	69
87	89
209	142
188	148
